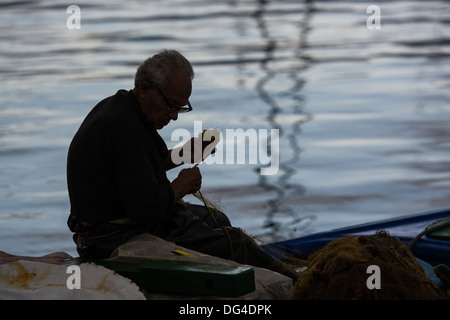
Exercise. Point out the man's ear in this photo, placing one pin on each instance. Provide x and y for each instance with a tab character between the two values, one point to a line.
144	89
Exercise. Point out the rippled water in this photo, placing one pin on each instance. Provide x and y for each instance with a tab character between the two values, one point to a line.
363	114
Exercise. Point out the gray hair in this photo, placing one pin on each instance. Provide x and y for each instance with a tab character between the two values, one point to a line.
156	69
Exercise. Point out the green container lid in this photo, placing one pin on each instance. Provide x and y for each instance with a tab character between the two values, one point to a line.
194	278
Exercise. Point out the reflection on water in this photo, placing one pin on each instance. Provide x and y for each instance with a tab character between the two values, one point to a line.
362	114
281	219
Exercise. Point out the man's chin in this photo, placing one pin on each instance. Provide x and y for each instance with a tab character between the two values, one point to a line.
160	125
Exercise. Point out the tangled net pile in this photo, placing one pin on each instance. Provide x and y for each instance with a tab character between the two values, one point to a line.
339	271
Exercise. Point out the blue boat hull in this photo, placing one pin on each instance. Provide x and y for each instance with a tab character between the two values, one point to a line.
430	249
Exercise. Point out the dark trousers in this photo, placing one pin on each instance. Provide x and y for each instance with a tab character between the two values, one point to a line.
191	226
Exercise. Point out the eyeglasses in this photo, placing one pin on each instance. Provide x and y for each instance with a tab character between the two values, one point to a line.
175	108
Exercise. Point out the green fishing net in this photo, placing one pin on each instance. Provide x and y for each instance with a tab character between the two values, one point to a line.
342	270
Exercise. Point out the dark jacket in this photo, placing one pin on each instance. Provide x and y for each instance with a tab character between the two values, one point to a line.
115	166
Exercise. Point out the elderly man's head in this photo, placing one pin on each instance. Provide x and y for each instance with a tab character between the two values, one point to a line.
163	84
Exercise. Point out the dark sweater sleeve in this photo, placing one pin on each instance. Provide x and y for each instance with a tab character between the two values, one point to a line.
144	189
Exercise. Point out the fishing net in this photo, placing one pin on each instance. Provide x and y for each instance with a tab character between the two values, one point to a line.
340	271
213	206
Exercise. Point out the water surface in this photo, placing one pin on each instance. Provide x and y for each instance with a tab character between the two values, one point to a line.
363	114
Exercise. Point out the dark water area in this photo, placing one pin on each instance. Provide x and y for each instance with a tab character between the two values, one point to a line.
362	113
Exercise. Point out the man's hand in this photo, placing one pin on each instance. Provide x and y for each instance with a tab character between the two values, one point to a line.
193	151
188	181
199	148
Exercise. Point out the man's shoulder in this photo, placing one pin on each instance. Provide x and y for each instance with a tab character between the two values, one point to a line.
116	112
120	106
122	101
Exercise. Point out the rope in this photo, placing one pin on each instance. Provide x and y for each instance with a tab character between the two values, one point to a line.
206	205
438	226
231	243
199	193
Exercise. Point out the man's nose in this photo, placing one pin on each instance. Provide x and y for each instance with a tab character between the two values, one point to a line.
173	115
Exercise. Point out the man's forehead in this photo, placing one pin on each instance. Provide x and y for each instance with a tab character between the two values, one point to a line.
179	78
179	87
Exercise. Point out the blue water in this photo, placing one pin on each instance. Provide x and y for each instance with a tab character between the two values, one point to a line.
363	114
